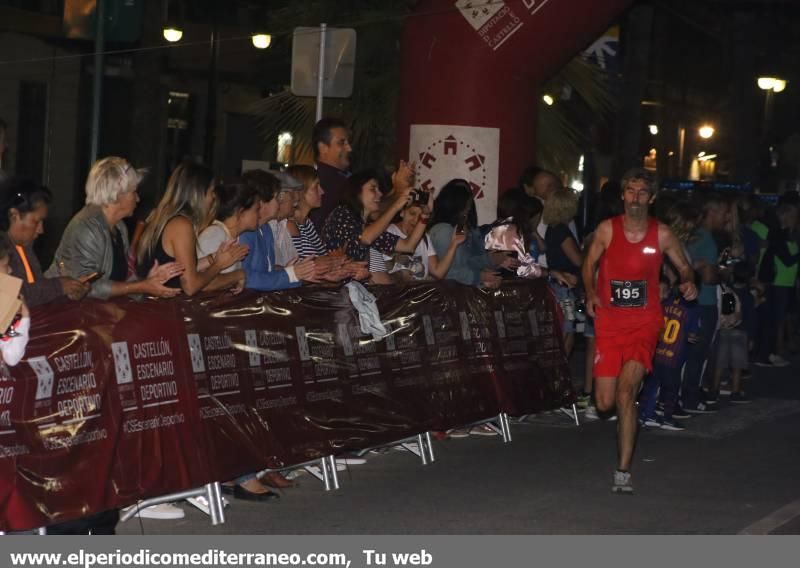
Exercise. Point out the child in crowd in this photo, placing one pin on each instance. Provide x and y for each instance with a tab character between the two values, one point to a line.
737	323
14	339
681	324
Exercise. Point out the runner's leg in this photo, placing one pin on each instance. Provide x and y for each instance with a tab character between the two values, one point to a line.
630	379
605	393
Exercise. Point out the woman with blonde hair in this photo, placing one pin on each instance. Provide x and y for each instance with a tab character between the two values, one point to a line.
305	237
172	228
330	265
563	254
94	246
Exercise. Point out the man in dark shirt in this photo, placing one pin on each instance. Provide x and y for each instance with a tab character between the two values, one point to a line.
332	153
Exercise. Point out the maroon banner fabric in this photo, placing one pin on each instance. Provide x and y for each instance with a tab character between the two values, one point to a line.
473	65
123	400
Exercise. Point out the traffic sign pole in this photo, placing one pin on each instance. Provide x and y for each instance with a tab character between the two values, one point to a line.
321	73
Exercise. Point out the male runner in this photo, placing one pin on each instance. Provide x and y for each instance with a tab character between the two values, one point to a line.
626	306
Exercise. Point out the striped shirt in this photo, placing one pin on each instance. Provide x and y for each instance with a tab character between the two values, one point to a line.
376	262
308	243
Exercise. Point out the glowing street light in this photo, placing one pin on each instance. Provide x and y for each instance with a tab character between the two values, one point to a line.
653	128
262	41
548	100
771	84
173	34
706	131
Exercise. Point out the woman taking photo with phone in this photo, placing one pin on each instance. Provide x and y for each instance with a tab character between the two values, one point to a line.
454	214
349	226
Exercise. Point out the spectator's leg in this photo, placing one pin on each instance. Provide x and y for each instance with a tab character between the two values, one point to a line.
670	384
767	326
588	366
736	381
697	355
649	394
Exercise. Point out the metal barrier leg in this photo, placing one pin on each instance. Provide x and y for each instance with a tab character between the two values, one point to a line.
430	447
334	473
216	508
575	412
326	479
500	427
422	453
506	427
496	424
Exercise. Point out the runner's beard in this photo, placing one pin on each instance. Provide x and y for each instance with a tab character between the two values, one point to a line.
637	211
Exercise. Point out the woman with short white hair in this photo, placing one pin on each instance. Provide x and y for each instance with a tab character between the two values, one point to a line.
94	246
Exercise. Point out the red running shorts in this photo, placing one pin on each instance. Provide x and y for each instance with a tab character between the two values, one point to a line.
612	352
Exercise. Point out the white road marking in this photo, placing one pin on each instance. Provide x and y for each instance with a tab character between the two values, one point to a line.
774	520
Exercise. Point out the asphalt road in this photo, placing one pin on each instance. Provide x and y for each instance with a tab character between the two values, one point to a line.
732	472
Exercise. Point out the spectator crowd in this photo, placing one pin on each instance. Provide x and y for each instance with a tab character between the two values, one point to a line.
275	230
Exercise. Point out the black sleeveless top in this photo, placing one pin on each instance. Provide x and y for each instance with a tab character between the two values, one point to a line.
160	255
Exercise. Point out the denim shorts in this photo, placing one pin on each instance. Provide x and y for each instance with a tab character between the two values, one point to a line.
732	349
564	294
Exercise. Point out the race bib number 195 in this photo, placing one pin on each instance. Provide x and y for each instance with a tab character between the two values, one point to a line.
628	293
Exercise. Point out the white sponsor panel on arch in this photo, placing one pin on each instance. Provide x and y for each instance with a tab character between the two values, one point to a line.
444	152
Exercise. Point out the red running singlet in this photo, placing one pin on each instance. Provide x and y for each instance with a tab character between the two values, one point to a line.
628	283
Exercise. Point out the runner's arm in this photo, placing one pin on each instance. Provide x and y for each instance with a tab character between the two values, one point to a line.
599	243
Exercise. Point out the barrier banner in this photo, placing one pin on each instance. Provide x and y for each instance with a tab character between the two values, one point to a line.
122	400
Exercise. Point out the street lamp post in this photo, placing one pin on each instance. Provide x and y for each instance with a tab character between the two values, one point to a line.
771	85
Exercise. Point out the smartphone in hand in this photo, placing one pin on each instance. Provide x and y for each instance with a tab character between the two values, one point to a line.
90	278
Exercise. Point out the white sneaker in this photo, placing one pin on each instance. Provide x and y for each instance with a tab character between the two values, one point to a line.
591	413
202	503
351	461
778	361
458	433
622	483
165	511
482	430
412	447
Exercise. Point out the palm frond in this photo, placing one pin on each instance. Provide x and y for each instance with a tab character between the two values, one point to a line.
560	142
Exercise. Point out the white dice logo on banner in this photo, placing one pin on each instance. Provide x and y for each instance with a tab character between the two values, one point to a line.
446	152
44	377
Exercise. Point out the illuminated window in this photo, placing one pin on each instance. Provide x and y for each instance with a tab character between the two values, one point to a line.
285	147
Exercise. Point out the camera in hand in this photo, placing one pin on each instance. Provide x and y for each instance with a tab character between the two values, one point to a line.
419	197
727	260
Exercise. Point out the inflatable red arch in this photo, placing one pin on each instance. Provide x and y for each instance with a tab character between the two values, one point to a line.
469	84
